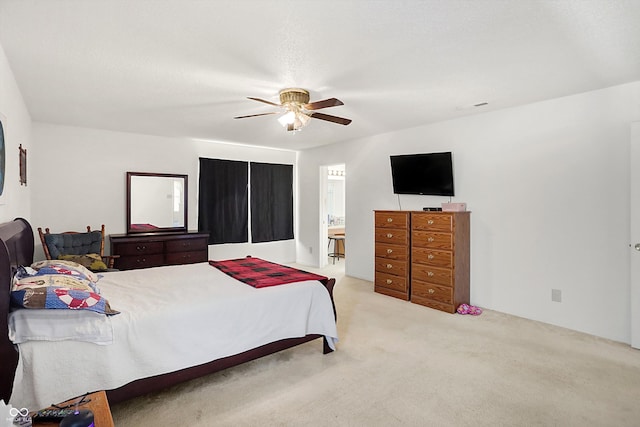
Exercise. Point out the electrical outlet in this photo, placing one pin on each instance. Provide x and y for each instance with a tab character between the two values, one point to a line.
310	249
556	295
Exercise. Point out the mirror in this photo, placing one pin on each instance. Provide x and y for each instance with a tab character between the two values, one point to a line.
156	202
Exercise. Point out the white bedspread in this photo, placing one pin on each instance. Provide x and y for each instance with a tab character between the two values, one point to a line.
171	318
59	325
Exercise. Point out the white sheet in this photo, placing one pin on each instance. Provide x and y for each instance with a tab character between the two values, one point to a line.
58	325
171	318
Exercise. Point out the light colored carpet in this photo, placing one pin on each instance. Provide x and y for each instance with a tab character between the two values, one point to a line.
401	364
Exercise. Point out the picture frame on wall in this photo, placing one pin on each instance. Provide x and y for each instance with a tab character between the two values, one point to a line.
23	165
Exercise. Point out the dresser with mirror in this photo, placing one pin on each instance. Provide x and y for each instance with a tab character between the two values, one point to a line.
157	232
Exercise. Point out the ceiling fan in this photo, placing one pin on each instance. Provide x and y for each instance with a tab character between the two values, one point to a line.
298	109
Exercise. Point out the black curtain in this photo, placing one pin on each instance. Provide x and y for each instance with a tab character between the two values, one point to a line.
223	200
271	202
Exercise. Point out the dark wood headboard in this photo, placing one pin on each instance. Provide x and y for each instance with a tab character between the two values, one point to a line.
16	248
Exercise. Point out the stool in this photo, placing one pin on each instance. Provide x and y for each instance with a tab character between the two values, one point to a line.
337	240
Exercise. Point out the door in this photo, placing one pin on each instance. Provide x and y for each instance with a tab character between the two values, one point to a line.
635	234
323	225
332	209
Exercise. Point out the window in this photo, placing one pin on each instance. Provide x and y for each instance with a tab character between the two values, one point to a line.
271	202
223	200
223	203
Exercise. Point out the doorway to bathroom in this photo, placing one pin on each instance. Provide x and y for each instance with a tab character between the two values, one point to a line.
333	218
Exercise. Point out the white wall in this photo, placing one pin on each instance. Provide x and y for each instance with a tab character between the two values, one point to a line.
16	122
548	187
79	179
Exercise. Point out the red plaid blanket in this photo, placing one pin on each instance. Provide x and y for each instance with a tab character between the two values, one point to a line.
260	273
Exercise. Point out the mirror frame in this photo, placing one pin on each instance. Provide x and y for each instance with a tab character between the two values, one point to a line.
160	229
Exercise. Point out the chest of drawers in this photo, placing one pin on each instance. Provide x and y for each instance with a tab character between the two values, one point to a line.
440	259
392	253
154	250
423	257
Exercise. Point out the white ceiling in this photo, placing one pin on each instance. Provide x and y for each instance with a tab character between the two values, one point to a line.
183	68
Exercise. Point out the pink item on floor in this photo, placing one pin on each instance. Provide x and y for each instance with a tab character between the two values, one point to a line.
463	309
469	309
475	311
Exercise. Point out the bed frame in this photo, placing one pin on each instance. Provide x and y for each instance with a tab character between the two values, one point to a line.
16	248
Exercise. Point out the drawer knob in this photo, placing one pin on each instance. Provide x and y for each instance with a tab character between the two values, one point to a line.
389	219
431	291
389	265
141	248
430	239
389	235
389	251
430	256
389	281
430	222
430	273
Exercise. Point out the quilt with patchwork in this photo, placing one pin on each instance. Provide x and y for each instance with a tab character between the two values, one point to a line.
56	285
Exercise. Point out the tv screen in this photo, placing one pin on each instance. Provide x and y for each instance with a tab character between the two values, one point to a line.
428	174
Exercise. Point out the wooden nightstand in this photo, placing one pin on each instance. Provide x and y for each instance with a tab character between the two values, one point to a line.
99	405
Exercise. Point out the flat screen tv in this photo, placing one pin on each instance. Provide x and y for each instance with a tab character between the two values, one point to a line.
428	174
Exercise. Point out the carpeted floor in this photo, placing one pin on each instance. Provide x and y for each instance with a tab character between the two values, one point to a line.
400	364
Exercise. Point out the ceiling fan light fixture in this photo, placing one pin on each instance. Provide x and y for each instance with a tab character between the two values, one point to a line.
294	120
302	118
298	110
288	118
294	96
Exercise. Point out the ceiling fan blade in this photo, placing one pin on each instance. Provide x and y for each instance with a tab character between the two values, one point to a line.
331	102
265	101
334	119
256	115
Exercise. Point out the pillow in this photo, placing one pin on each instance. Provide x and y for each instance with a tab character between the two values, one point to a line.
56	280
54	297
92	261
58	285
66	267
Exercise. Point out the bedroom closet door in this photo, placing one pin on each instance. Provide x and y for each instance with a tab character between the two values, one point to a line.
635	234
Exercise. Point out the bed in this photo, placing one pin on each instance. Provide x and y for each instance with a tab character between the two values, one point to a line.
164	333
